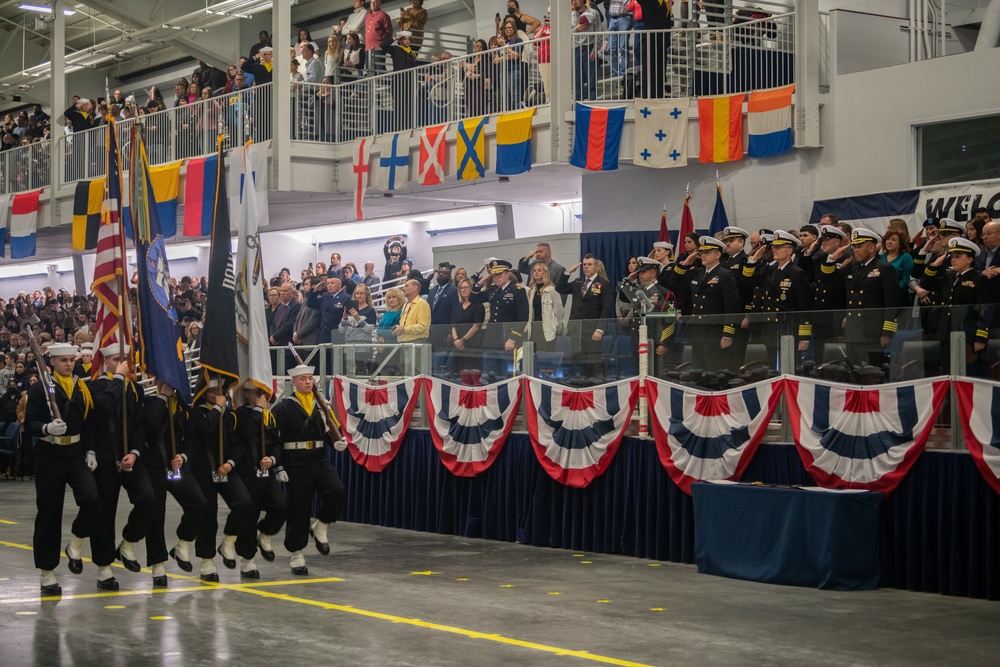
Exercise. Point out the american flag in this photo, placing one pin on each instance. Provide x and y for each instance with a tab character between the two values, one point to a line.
109	270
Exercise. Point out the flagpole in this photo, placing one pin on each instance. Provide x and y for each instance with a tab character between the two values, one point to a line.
122	284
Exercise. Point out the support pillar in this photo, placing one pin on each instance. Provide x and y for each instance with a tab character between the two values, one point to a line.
807	57
561	92
57	95
281	99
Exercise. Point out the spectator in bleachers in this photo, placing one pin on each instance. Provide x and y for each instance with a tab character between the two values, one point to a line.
413	18
403	58
467	334
394	301
304	37
231	72
273	301
358	325
378	34
348	278
619	20
545	310
395	254
544	54
334	56
261	66
509	61
336	267
369	278
354	55
474	70
524	22
314	68
355	22
211	77
264	39
585	20
81	115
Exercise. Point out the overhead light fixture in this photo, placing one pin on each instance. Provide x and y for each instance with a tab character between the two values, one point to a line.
43	9
167	26
235	15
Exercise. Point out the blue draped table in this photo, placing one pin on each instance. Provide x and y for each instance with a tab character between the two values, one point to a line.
938	532
793	536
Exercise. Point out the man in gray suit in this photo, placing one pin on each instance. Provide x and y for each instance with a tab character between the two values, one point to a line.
307	325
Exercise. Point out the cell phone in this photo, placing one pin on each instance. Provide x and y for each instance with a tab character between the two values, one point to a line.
352	305
498	16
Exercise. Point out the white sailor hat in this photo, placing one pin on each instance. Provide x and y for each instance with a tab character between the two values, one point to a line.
648	263
109	350
949	226
666	245
706	243
862	235
782	238
84	100
266	49
832	232
963	245
404	33
301	369
62	350
87	348
734	233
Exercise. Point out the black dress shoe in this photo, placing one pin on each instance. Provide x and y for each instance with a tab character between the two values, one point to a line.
212	577
109	584
322	547
230	563
266	555
183	564
75	564
52	590
160	582
301	571
130	565
252	574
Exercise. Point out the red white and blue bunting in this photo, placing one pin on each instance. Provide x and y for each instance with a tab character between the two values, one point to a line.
576	432
979	409
470	425
852	437
703	435
374	419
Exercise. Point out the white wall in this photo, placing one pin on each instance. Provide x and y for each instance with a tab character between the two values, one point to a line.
565	250
869	118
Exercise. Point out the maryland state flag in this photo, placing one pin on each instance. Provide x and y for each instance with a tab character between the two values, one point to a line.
160	352
87	213
218	350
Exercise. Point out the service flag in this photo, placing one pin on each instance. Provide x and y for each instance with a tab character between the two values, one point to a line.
165	180
597	137
251	323
687	221
393	172
432	155
360	156
160	351
87	213
719	218
470	148
199	195
218	359
514	142
256	166
23	224
720	126
661	133
769	122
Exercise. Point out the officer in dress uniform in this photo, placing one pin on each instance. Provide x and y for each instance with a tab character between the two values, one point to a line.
116	470
786	297
650	298
931	262
961	291
258	430
872	300
736	259
163	456
829	292
715	308
590	316
663	252
64	457
202	449
508	315
304	436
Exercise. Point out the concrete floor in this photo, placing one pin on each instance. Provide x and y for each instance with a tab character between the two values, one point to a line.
395	597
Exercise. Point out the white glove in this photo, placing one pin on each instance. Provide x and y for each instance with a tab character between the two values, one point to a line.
91	461
340	445
54	427
282	477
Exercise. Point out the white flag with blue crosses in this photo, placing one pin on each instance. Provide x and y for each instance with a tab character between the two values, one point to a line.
661	133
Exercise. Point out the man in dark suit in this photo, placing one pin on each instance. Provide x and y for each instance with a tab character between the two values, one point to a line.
872	301
283	324
307	323
715	308
593	306
443	300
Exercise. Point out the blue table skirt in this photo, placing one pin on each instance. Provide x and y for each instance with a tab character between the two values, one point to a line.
938	532
798	537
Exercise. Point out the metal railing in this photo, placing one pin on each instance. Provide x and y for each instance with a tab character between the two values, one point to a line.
612	66
25	168
493	81
179	133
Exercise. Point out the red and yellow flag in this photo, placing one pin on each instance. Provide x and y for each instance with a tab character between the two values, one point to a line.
720	124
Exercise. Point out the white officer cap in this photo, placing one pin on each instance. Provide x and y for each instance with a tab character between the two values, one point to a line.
782	237
706	243
830	232
862	235
963	245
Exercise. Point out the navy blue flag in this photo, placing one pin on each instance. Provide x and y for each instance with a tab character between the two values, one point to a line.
160	351
719	218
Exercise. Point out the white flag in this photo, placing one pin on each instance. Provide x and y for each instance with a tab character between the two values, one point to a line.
4	221
661	133
393	164
251	323
257	158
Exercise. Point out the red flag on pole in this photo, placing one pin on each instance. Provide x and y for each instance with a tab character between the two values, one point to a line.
687	222
664	232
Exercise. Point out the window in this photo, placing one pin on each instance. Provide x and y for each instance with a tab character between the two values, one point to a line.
960	150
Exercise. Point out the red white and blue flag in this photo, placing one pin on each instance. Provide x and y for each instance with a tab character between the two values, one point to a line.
576	432
374	419
702	435
597	137
979	409
470	425
852	437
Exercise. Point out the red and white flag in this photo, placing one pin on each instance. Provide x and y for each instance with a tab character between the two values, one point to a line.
432	154
362	152
23	224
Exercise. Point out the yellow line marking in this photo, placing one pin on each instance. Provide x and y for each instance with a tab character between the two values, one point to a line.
161	618
8	523
287	582
657	609
579	555
25	613
586	562
604	601
462	579
656	565
554	593
114	606
251	589
426	573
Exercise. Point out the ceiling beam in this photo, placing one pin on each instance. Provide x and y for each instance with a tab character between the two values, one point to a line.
190	47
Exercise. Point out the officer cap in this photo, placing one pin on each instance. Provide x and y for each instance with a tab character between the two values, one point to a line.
648	263
498	266
734	233
706	243
301	369
862	235
782	238
949	226
963	245
833	232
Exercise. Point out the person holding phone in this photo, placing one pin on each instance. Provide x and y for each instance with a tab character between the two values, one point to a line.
358	325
